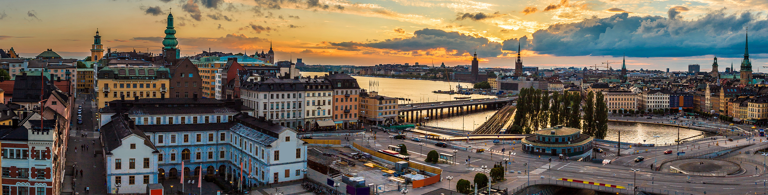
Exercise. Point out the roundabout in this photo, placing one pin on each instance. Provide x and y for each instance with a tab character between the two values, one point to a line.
703	167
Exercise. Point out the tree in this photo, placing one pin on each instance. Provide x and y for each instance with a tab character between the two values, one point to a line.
601	117
463	186
497	173
481	180
432	157
565	103
87	58
575	120
403	149
482	85
80	64
589	112
554	110
515	129
544	114
491	75
4	74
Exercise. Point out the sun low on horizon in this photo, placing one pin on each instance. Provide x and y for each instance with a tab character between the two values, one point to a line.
551	33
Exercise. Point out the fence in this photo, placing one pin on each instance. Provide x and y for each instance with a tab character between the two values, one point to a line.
427	168
425	182
376	154
522	189
322	142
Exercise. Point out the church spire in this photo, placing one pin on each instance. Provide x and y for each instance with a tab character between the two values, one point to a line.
170	42
518	51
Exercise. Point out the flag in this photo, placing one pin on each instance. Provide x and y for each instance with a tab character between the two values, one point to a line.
200	177
250	167
182	173
241	171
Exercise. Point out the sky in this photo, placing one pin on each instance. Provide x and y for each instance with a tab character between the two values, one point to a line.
652	34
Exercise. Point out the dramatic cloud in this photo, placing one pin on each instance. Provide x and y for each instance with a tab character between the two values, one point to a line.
306	51
675	11
714	33
257	28
193	10
32	14
293	26
400	31
530	10
426	39
316	4
219	16
615	10
3	15
550	7
230	41
211	3
154	11
477	16
511	44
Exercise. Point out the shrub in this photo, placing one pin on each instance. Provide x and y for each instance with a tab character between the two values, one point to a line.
432	157
481	180
403	149
463	186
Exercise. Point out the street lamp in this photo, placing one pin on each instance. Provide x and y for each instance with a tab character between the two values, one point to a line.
449	178
506	161
454	156
634	181
421	147
336	186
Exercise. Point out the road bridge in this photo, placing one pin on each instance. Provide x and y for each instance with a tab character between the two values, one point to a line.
419	112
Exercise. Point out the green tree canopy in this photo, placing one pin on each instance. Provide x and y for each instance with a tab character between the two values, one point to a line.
497	174
432	157
80	64
5	75
482	85
403	149
481	180
463	186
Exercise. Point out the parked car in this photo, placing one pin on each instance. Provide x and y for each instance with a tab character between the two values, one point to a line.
399	136
416	139
80	121
441	144
650	117
668	152
639	159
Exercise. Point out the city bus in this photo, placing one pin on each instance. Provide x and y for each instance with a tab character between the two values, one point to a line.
394	154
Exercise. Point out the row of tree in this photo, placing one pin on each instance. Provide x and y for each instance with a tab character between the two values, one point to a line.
536	109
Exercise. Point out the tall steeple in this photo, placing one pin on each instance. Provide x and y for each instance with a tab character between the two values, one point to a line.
97	50
475	68
270	54
519	61
624	69
715	72
746	65
170	42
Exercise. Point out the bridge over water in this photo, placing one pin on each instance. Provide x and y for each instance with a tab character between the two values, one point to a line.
419	112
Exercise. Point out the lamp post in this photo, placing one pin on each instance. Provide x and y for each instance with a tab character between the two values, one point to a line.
421	147
449	178
171	188
506	160
634	180
336	186
372	188
454	156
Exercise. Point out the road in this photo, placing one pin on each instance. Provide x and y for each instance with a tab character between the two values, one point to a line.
92	165
618	173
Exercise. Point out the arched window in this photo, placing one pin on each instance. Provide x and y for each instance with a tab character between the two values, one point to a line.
185	154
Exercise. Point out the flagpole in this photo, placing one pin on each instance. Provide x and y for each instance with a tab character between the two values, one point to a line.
200	179
182	176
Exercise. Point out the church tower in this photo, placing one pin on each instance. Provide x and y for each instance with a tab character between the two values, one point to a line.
475	68
97	50
746	65
169	42
518	62
624	69
715	72
271	54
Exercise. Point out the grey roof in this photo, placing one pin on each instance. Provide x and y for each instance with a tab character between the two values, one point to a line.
119	128
186	127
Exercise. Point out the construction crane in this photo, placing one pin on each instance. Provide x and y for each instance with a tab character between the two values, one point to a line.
607	65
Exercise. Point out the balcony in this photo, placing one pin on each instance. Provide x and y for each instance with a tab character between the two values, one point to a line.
346	111
106	90
163	89
346	95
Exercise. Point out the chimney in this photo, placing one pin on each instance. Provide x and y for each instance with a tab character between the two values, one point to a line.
194	96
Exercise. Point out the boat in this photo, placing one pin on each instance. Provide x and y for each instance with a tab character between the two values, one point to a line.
462	98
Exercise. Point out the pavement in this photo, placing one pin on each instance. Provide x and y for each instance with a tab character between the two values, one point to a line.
93	168
619	172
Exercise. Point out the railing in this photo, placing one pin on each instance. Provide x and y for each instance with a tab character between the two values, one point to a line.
163	89
106	89
522	189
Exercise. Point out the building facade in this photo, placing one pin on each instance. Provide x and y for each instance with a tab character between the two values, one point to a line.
185	79
346	94
620	101
85	80
319	101
279	100
654	100
377	109
130	82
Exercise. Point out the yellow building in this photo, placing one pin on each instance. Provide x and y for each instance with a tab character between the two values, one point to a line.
757	108
377	109
208	67
493	83
620	101
131	82
85	80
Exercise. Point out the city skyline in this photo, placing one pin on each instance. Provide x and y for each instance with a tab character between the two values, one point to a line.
553	34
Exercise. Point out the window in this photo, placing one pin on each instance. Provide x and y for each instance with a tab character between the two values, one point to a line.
287	138
298	152
186	138
132	163
298	172
173	139
170	120
221	154
199	138
183	120
6	172
133	146
198	156
222	137
146	163
185	154
210	155
22	190
277	155
160	157
210	137
173	156
146	179
118	164
287	173
131	180
159	137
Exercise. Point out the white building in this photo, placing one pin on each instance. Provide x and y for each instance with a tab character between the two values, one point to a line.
217	137
556	86
654	100
279	100
620	101
130	158
318	99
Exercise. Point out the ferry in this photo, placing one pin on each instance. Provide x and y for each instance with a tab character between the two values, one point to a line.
462	98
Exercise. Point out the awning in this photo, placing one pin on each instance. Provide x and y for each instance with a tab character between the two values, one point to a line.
325	123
